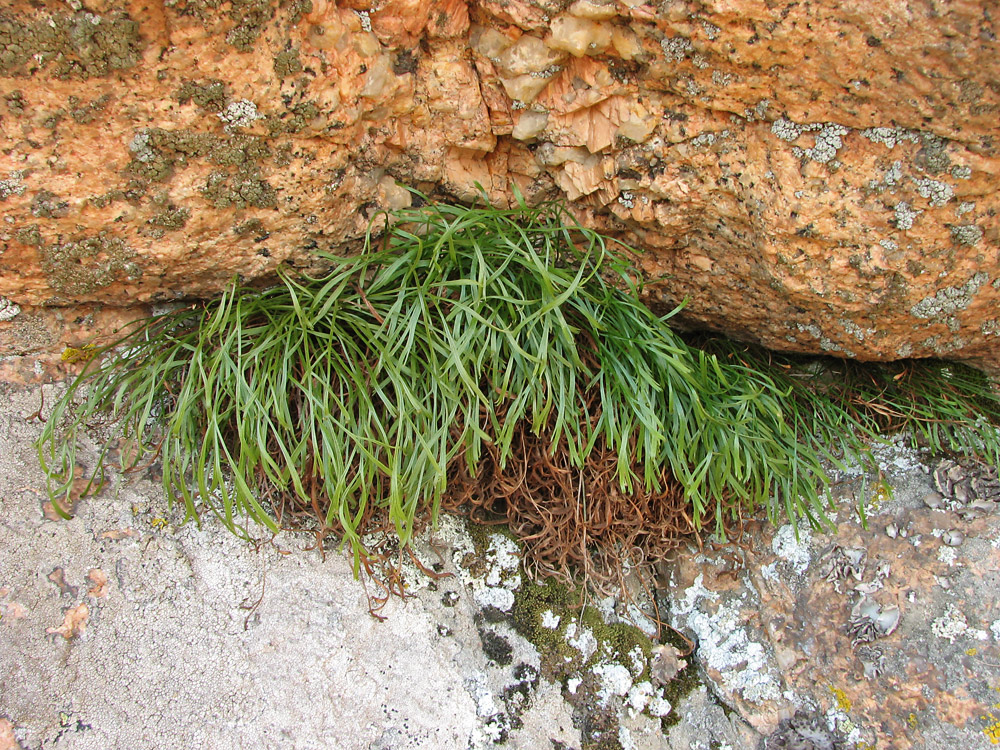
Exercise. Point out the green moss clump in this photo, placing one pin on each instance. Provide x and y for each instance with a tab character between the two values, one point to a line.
77	45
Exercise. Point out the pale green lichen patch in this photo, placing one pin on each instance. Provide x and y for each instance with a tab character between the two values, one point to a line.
949	300
8	310
904	215
239	114
967	234
12	185
80	44
938	193
82	266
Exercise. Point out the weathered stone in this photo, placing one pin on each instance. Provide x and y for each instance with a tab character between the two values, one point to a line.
815	177
886	632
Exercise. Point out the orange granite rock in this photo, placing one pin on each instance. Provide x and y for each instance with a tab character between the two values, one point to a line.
817	177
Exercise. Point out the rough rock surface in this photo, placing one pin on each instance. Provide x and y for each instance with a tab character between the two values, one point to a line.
877	637
817	176
121	629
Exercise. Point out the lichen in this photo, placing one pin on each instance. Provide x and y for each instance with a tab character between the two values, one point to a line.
213	95
828	142
157	152
77	45
12	185
79	267
287	63
294	120
239	114
904	215
48	205
86	113
251	16
938	193
170	219
949	300
8	310
967	234
676	48
246	188
16	103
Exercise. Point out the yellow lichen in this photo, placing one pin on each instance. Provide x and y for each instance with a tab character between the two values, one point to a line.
83	354
843	702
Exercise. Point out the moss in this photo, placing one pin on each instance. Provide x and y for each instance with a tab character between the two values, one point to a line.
48	205
213	95
82	266
287	63
76	45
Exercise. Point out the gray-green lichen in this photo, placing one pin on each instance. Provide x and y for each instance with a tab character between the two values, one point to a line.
8	310
156	152
82	266
967	234
169	219
29	235
86	113
938	193
239	114
287	63
80	44
213	95
904	215
16	103
223	190
949	300
12	185
48	205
